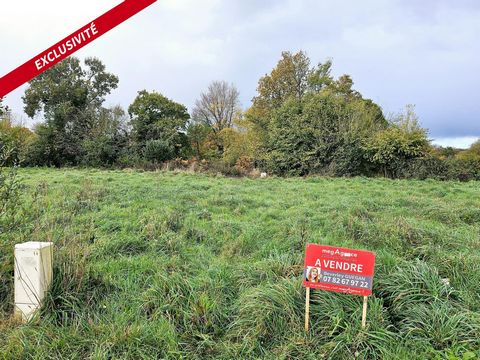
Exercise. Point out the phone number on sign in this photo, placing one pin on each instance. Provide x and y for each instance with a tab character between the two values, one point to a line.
347	282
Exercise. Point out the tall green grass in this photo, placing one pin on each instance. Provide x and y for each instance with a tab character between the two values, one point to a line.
176	265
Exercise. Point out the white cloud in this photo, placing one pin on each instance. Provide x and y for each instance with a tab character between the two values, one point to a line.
397	51
456	142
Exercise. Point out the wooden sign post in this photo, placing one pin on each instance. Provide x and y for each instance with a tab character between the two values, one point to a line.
340	270
364	312
307	308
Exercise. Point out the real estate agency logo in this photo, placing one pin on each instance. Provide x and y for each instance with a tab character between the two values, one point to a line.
338	252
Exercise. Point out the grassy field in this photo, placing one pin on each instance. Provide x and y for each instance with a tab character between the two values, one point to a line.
177	265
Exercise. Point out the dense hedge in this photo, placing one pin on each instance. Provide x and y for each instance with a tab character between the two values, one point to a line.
439	169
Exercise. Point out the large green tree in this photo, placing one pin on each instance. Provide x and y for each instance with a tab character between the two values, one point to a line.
70	97
321	134
306	121
158	126
288	79
108	138
292	77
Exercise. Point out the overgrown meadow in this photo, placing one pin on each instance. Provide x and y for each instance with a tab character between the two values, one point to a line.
178	265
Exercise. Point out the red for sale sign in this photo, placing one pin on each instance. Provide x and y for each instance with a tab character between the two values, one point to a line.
338	269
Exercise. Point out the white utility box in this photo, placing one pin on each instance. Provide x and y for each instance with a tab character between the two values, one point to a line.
33	276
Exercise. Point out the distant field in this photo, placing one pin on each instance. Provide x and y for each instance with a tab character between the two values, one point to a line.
177	265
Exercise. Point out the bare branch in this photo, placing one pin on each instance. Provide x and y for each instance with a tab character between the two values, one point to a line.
217	106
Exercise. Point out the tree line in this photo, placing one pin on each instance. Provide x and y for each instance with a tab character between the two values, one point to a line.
302	121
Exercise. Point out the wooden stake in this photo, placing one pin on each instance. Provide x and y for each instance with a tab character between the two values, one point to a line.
364	312
307	308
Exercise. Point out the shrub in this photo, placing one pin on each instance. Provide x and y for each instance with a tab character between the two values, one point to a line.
439	169
403	141
463	170
221	167
244	164
159	150
17	139
9	191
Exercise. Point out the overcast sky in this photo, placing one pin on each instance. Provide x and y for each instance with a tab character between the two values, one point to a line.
398	52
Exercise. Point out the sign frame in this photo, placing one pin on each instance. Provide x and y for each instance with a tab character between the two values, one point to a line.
340	270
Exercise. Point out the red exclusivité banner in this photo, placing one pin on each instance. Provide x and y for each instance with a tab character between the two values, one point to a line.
71	44
337	269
